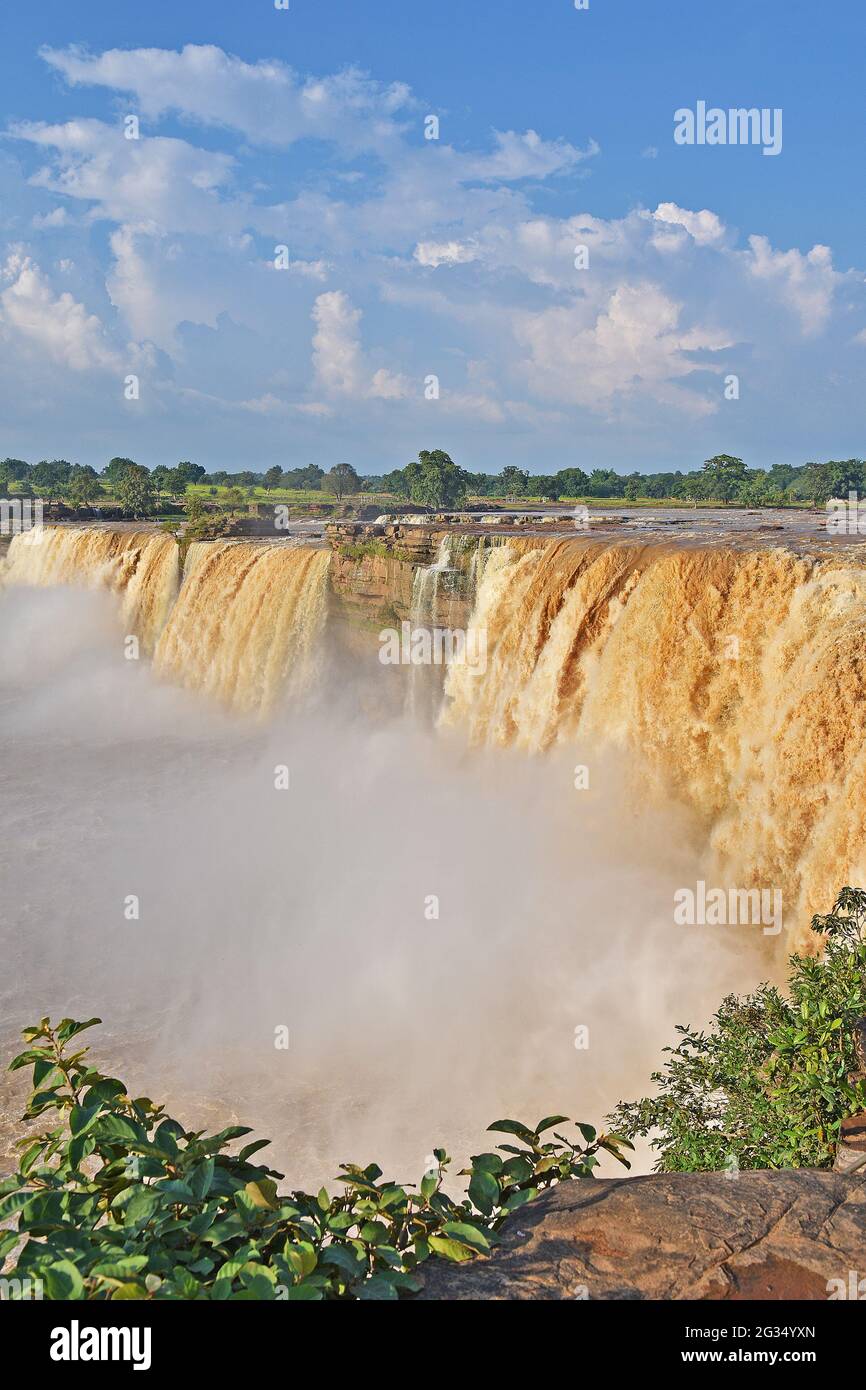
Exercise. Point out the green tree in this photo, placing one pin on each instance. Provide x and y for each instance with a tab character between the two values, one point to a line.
573	482
632	487
436	480
191	472
781	475
396	482
159	481
13	471
114	470
235	500
272	477
50	477
725	473
834	479
605	482
311	478
83	486
176	483
513	482
695	487
341	479
134	491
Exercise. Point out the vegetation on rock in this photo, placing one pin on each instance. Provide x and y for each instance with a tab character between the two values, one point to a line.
118	1201
770	1082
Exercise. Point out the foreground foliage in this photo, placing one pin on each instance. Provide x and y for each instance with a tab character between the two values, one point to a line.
770	1083
119	1201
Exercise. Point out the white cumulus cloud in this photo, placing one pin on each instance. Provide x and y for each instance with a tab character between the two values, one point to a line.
56	326
338	358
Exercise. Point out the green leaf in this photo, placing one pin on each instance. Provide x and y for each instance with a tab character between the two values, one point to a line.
343	1259
119	1269
519	1198
373	1232
82	1117
115	1129
489	1163
484	1191
104	1091
262	1194
518	1169
468	1235
8	1240
249	1149
392	1196
376	1289
549	1122
69	1027
512	1127
449	1249
201	1178
62	1281
219	1141
141	1207
33	1054
176	1191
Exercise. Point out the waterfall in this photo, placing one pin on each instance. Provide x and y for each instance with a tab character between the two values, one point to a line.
441	594
244	625
247	624
734	680
142	567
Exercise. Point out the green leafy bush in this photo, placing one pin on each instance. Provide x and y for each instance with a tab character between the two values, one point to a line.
119	1201
770	1083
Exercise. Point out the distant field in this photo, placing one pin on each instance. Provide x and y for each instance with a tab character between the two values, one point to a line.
287	494
260	494
218	494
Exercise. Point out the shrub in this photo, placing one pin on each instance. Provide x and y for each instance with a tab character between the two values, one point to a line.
119	1201
360	550
771	1082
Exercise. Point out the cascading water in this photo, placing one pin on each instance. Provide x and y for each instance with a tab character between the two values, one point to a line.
729	683
734	680
441	594
243	626
247	623
143	568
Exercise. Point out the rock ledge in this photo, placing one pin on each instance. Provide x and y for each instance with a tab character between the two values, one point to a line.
759	1235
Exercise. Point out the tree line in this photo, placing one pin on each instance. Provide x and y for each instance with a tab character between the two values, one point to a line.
142	490
435	480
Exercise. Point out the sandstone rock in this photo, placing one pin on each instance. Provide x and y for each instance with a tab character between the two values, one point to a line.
851	1150
757	1235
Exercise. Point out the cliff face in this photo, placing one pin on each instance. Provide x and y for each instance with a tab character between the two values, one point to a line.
382	575
792	1234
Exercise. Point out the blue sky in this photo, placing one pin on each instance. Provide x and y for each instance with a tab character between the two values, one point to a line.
410	259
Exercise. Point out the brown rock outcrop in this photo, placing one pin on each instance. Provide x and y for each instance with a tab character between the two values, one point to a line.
758	1235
